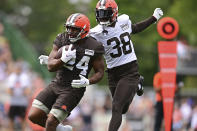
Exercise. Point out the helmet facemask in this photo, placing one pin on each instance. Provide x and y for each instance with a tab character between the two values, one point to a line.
74	33
105	16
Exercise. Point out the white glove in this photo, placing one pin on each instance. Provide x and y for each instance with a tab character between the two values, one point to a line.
83	82
158	13
68	54
43	59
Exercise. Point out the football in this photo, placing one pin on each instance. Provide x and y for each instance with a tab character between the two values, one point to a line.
59	53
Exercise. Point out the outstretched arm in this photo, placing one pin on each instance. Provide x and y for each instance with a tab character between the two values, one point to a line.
138	27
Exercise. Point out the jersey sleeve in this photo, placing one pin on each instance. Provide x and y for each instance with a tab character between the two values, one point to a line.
125	20
140	26
96	31
58	40
99	49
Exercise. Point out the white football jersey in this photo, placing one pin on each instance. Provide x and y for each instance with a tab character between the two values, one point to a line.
116	41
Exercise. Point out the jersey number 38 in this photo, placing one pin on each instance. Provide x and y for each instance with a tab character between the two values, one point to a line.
125	48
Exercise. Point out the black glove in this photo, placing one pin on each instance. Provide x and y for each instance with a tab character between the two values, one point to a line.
140	90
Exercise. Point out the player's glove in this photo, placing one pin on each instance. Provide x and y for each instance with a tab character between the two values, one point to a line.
83	82
43	59
158	13
68	54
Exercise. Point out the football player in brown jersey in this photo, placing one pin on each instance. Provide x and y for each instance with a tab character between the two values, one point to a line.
80	53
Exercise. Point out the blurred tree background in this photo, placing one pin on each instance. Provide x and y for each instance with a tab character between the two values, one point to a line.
40	21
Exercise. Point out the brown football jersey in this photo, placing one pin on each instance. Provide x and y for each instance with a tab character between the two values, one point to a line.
87	50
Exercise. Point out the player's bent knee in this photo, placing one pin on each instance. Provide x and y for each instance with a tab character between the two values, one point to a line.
60	115
32	116
36	114
36	117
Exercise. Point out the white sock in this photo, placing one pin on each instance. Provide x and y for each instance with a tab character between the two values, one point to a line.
61	127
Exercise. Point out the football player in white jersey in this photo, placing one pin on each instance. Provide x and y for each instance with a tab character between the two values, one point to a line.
114	32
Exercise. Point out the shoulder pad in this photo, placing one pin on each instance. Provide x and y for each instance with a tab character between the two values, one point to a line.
59	39
96	30
123	18
60	35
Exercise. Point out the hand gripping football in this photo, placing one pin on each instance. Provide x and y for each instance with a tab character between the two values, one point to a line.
59	53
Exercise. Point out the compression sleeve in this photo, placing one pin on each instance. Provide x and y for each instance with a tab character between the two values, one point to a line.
138	27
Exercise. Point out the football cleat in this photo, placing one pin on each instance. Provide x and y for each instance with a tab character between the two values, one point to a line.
140	90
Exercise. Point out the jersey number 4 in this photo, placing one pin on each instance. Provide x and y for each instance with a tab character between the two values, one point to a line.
125	48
